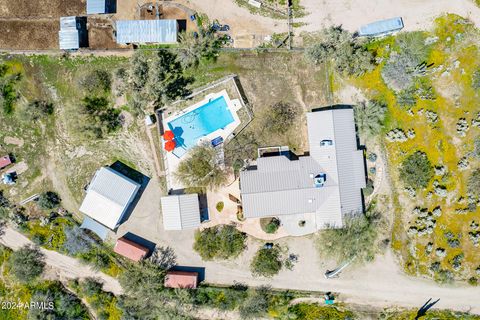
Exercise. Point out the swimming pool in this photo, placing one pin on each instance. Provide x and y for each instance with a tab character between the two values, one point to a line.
200	122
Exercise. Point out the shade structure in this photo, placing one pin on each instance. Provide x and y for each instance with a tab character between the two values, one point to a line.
168	135
170	145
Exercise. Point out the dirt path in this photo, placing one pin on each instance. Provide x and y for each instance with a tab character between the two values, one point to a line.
65	267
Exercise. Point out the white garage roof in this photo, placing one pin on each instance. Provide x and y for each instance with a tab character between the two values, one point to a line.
147	31
181	212
108	196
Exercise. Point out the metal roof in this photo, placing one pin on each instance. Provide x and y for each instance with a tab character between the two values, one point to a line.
96	6
146	31
381	27
108	196
180	212
92	225
68	35
130	249
181	279
280	186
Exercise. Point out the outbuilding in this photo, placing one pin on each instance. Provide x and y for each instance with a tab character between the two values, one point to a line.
130	249
5	161
100	6
108	197
147	31
181	279
181	212
73	33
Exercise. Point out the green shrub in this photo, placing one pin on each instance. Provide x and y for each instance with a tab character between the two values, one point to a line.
220	206
474	183
96	81
101	118
219	242
267	262
48	200
368	190
369	117
220	298
27	263
38	109
256	305
270	225
306	311
476	79
416	170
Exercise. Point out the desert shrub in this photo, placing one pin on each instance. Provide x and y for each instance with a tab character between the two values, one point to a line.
201	169
473	281
4	202
219	206
416	170
270	225
280	117
77	241
96	81
96	257
103	302
65	304
406	98
219	242
369	117
38	109
348	55
308	311
101	118
27	263
143	280
138	70
48	200
256	305
267	262
476	147
220	298
164	257
368	190
194	47
355	240
406	64
474	183
444	276
8	92
476	79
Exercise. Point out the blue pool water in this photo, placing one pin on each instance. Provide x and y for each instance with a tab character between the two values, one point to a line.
191	126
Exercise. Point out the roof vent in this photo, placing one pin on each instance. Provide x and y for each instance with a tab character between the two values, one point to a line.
320	180
325	143
310	200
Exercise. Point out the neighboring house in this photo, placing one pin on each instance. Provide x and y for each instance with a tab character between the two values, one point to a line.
5	161
100	6
147	31
73	33
108	197
181	279
181	212
130	249
310	192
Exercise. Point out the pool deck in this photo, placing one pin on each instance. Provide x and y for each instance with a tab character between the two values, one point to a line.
172	160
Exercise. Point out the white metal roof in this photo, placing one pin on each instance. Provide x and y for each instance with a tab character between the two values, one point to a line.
96	6
381	27
180	212
108	196
147	31
68	35
280	186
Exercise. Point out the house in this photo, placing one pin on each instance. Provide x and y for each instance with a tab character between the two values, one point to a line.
100	6
73	33
108	197
130	249
146	31
5	161
310	192
181	279
181	212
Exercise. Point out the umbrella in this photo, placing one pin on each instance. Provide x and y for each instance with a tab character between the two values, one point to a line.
168	135
170	145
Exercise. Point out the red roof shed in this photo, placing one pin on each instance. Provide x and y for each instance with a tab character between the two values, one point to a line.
5	161
130	249
181	279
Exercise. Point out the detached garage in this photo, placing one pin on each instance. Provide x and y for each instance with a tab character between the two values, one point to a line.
130	249
181	279
147	31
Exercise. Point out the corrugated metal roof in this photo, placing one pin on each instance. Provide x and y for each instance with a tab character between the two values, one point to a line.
381	27
280	186
69	38
92	225
96	6
130	249
5	161
146	31
180	212
108	196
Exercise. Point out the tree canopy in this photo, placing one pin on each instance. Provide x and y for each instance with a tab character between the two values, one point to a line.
267	262
416	170
219	242
201	169
27	263
369	117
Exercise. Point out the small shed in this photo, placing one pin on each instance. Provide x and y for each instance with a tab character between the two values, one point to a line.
181	212
130	249
101	6
181	279
147	31
382	27
73	33
5	161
